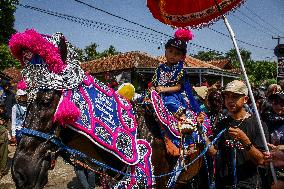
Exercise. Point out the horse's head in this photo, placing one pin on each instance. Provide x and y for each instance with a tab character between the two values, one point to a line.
33	156
50	66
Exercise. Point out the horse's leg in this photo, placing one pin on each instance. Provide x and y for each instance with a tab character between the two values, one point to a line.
160	162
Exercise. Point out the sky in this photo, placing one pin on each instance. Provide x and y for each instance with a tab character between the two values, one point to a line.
255	22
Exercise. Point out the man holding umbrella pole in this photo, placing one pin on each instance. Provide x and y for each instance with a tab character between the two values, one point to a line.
198	14
239	150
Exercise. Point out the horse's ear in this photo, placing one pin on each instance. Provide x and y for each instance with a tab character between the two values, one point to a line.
63	48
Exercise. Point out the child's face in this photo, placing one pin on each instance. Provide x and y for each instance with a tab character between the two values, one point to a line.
278	106
22	98
173	55
234	102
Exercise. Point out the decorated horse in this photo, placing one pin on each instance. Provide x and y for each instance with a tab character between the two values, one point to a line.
161	128
74	115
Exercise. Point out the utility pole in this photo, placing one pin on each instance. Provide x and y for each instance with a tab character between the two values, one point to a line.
278	39
279	52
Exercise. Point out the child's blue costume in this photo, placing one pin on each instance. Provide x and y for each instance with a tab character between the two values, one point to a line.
176	102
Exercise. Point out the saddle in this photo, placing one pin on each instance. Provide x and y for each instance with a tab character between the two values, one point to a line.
173	131
172	149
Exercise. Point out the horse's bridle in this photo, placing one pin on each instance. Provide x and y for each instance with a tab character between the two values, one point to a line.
52	137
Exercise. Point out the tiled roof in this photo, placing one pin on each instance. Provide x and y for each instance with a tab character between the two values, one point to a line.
191	62
223	64
136	59
13	73
120	62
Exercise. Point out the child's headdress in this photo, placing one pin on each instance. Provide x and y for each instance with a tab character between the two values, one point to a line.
180	40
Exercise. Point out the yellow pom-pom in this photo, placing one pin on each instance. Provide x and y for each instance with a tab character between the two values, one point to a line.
126	90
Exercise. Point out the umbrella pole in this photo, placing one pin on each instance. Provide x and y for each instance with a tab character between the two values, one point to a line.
250	91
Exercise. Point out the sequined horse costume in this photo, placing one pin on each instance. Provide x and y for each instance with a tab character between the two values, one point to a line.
66	103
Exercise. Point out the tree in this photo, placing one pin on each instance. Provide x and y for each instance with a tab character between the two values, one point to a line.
261	71
90	52
7	19
258	71
6	58
232	55
108	52
80	54
209	55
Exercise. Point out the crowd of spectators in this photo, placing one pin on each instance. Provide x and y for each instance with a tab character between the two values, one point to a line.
230	107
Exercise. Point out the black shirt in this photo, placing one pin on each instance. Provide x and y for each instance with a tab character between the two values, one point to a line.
275	124
244	166
10	100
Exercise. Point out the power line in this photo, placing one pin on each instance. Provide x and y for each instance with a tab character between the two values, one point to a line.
251	25
251	11
261	25
239	40
94	24
91	21
119	17
160	32
104	26
145	27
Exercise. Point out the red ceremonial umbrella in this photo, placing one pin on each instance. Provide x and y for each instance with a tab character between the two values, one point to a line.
199	13
194	13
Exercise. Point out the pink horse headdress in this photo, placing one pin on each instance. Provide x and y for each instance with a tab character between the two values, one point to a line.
49	62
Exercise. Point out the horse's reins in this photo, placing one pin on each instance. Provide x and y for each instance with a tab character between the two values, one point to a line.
56	140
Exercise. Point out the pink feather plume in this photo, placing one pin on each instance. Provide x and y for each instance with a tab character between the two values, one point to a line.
33	41
184	34
67	112
22	85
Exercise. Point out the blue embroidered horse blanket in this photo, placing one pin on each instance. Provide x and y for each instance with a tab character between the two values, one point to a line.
107	119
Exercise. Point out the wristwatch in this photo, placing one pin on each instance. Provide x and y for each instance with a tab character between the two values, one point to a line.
248	146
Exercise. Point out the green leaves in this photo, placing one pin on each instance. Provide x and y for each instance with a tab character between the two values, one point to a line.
7	19
209	55
91	53
259	72
232	55
6	58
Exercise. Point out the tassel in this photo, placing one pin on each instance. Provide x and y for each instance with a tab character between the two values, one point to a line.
67	112
22	85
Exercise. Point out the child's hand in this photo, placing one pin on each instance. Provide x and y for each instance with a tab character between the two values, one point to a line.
13	141
160	89
238	134
276	156
152	88
2	122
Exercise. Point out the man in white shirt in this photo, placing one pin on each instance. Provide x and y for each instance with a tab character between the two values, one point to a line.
18	115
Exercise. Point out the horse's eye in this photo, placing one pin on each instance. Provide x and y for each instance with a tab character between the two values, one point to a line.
46	102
